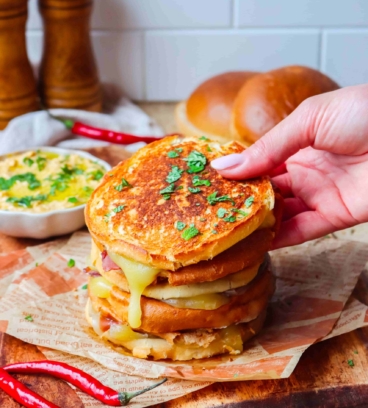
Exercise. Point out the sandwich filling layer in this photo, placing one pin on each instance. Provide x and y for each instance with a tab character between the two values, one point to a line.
179	266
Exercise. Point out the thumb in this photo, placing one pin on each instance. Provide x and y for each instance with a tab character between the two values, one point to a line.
295	132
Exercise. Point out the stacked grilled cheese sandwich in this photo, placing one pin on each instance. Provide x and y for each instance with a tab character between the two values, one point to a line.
179	266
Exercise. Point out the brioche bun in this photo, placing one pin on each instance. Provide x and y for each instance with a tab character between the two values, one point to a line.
208	110
267	99
243	106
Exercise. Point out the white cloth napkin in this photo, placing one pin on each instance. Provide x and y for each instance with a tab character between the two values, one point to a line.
39	129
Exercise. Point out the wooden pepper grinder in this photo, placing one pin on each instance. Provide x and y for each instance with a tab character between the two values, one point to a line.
18	91
68	73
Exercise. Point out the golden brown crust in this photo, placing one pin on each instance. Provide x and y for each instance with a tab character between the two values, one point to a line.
144	230
268	98
209	106
159	317
245	253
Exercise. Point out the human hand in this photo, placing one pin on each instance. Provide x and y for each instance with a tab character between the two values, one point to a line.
324	145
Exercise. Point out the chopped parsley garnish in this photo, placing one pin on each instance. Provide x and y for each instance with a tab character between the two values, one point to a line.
221	212
214	232
167	191
230	218
29	318
180	225
206	139
194	190
118	209
249	201
213	199
198	182
175	153
123	184
71	263
70	171
88	189
30	178
84	287
208	148
241	212
41	162
36	264
196	161
351	363
60	183
73	200
97	175
215	225
26	201
190	233
28	161
174	174
172	154
355	351
115	210
170	189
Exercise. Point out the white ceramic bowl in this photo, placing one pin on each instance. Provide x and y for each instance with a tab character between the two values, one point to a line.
47	224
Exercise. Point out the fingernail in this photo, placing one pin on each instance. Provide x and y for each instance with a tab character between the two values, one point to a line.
226	162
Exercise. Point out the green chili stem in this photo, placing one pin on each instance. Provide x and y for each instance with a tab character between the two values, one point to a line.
125	397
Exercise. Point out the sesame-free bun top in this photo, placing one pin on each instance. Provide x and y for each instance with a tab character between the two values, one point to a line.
267	99
243	106
208	109
195	221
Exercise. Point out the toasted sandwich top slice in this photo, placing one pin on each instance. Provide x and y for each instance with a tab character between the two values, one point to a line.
167	208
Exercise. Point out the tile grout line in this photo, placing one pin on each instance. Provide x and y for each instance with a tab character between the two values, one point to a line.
144	66
322	51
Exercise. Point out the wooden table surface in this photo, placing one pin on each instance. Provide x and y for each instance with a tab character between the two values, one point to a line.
323	378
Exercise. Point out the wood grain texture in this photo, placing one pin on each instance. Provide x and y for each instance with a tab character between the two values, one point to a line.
322	378
57	391
18	93
68	72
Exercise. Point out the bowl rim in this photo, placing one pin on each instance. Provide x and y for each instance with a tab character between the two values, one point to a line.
60	150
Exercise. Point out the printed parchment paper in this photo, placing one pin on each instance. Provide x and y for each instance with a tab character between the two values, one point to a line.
36	273
314	283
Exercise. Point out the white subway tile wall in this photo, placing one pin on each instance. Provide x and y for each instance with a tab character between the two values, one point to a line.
159	50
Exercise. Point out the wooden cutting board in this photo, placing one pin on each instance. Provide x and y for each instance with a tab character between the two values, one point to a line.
323	377
57	391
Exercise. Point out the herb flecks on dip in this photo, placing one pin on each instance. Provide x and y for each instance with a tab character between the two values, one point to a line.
41	181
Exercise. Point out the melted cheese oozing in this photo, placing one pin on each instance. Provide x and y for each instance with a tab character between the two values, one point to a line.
95	256
124	333
229	339
139	276
204	302
269	221
164	291
100	287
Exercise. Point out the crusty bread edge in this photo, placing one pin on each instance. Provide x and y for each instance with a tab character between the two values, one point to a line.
205	252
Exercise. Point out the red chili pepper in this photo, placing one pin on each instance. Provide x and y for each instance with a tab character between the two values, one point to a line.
79	379
105	135
21	393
